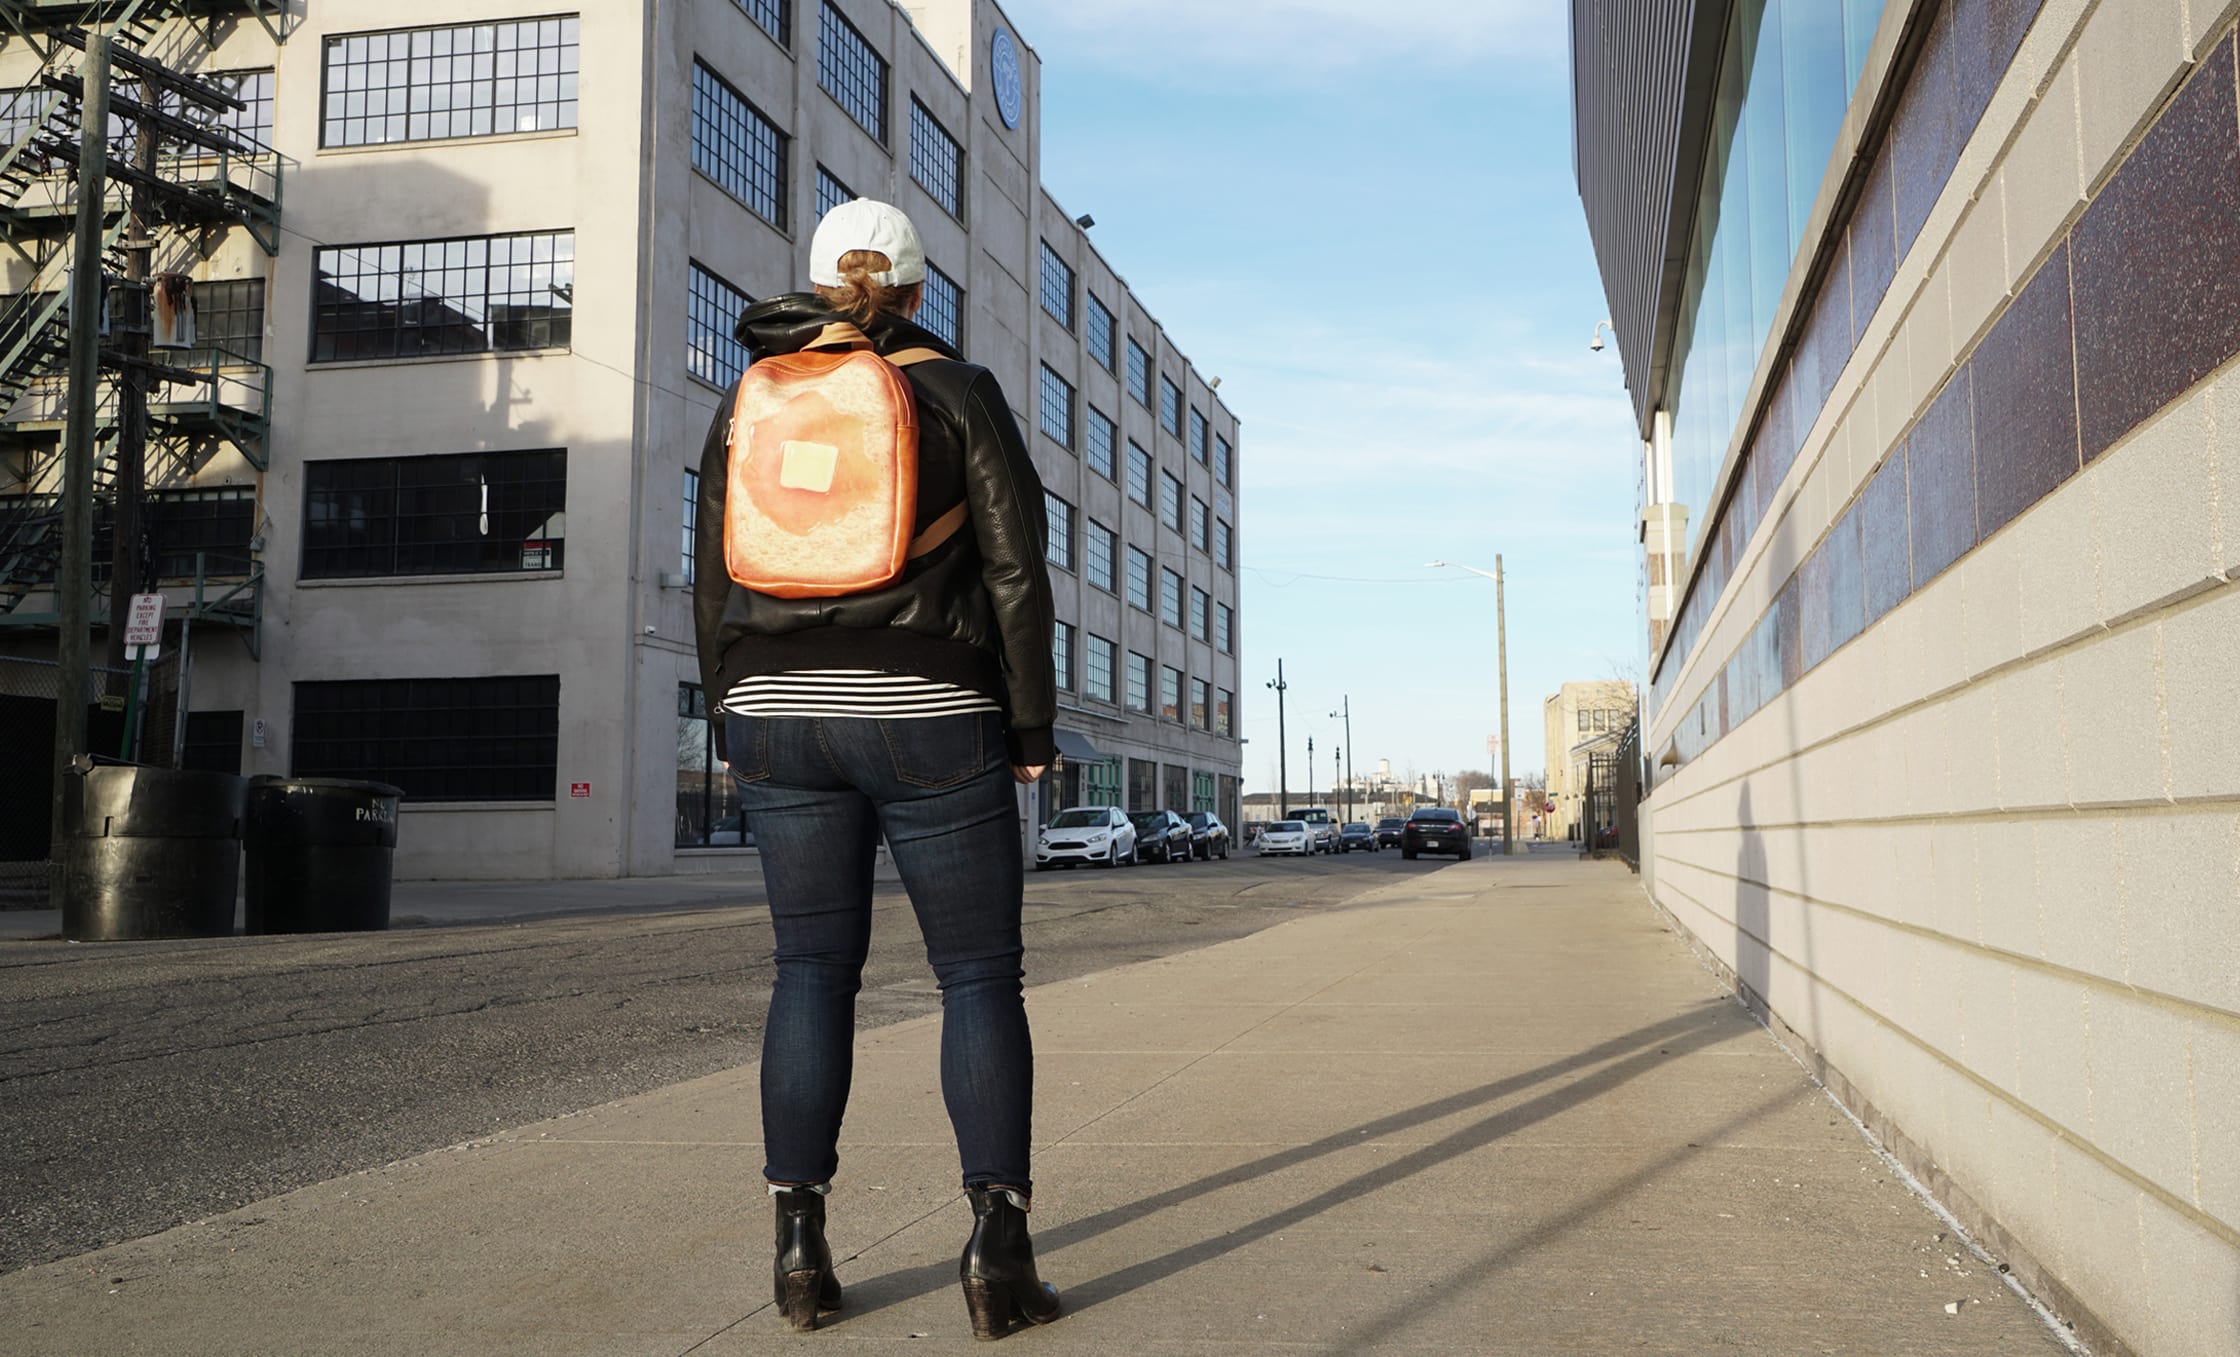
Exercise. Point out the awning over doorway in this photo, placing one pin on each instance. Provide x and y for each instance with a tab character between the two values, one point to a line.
1078	748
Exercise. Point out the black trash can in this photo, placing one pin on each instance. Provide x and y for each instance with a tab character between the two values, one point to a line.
319	855
150	853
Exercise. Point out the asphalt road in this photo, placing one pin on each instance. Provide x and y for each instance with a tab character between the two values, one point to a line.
143	1085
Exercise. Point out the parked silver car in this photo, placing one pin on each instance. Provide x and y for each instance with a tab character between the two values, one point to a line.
1099	834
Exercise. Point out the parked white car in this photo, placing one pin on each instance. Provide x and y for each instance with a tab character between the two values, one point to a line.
1099	834
1286	836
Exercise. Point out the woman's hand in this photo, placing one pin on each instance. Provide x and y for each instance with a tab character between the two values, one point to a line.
1029	776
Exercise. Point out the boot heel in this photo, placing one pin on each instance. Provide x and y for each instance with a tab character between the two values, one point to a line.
989	1304
797	1301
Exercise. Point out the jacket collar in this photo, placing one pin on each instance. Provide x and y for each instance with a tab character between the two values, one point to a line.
794	321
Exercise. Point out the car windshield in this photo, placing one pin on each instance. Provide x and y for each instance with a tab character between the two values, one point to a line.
1150	819
1357	826
1439	816
1388	824
1078	819
1287	827
1198	819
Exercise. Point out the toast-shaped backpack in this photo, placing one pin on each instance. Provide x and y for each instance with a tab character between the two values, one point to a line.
822	494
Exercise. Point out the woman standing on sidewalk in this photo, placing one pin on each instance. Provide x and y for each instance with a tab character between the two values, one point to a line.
906	710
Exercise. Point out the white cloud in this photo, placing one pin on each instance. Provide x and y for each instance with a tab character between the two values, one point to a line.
1285	38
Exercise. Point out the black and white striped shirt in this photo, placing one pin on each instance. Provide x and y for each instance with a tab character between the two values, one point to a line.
851	692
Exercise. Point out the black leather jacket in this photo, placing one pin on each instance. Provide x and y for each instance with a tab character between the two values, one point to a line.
976	612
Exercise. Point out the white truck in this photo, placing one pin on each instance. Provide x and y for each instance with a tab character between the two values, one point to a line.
1322	830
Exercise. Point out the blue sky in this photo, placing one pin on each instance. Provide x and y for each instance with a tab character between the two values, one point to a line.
1367	228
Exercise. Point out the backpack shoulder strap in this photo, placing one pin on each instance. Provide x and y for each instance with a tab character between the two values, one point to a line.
906	357
940	531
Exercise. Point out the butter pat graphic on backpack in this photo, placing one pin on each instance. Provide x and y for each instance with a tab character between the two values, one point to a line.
821	498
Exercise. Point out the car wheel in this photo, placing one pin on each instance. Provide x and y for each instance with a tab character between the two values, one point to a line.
1463	856
1111	858
1408	853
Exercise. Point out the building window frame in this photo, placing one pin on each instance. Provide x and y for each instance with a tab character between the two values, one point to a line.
1139	682
713	353
943	311
1057	407
1139	373
1101	550
852	72
1099	436
538	268
1058	550
1100	331
737	147
1100	679
423	509
351	105
1059	284
1139	474
936	160
1139	579
1170	598
412	733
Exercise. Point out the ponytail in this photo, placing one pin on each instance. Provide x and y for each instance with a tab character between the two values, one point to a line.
860	296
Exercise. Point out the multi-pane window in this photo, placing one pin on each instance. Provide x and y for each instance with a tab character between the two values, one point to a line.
1224	628
1224	544
852	71
1139	475
1170	598
1223	461
432	84
1224	712
1198	448
461	739
1201	612
472	514
942	311
1061	654
737	147
23	109
1139	374
1201	524
1170	692
1059	548
1139	578
1101	331
830	193
774	17
707	797
1139	682
689	547
1201	706
1170	500
1057	286
252	124
1057	407
422	298
1170	406
936	161
1102	432
713	352
1103	550
1098	678
229	318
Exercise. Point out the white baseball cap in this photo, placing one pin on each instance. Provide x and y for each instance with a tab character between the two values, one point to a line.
867	225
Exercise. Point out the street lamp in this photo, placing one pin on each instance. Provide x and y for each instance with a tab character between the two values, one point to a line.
1310	770
1283	774
1347	713
1501	631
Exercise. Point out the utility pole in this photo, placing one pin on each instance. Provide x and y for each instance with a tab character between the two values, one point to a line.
130	489
74	583
1501	630
1310	770
1345	711
1283	775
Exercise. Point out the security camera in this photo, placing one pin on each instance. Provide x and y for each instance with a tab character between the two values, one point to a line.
1594	345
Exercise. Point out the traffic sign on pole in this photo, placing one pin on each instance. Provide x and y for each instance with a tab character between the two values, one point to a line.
144	623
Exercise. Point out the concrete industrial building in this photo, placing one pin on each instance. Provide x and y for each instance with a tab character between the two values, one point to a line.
1580	719
1928	310
472	343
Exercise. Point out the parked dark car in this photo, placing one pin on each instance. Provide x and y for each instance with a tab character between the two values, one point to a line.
1435	829
1209	838
1357	834
1161	836
1388	832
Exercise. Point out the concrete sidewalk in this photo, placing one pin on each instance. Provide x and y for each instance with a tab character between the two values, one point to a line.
1498	1109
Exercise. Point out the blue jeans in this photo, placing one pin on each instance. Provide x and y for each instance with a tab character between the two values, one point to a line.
818	792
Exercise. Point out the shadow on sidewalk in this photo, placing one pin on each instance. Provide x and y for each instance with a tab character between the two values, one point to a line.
1622	1059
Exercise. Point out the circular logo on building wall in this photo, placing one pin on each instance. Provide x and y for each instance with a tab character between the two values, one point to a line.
1010	89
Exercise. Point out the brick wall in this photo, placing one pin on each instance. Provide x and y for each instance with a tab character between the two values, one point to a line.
1953	699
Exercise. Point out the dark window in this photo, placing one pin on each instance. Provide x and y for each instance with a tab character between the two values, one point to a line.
1099	679
417	299
431	84
1170	500
1201	610
1139	374
691	517
707	799
936	161
1170	406
1057	286
1201	706
479	513
1224	628
774	17
1224	713
1139	682
1139	578
713	352
1061	653
213	524
229	318
1099	443
1201	520
1224	545
852	72
1057	408
1170	598
1102	550
1223	462
1059	546
830	193
942	313
1139	475
1198	447
1170	692
737	147
1101	332
457	739
213	742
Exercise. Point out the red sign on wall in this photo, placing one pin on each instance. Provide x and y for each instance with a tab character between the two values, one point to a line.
579	791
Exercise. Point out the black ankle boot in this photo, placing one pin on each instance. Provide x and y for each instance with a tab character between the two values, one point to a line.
1000	1285
802	1273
